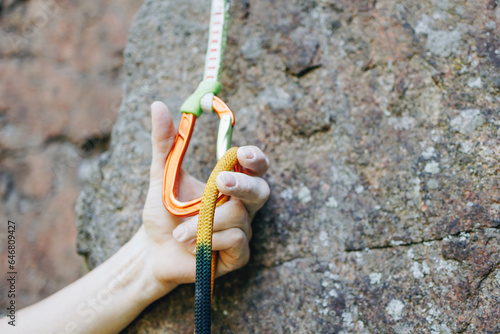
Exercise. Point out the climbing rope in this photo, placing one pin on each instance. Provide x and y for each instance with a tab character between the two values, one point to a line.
205	257
204	99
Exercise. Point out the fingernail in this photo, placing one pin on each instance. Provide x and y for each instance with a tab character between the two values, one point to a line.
248	153
180	233
228	179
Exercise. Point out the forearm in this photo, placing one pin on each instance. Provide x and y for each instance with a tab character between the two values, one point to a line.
103	301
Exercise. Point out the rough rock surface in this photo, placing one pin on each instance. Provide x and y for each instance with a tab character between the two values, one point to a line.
381	119
60	89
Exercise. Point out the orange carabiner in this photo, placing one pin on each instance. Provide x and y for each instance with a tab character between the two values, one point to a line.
174	162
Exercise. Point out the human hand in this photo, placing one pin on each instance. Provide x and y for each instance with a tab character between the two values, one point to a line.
170	239
160	255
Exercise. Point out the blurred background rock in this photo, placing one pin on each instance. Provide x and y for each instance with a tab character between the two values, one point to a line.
60	89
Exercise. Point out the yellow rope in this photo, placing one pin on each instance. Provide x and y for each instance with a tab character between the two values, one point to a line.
205	257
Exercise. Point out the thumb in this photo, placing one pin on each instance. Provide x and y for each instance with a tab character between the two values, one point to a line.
162	138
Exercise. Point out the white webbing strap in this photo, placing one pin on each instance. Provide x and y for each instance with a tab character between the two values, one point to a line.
219	16
216	39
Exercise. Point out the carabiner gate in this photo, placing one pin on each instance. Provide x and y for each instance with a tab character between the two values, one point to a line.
176	156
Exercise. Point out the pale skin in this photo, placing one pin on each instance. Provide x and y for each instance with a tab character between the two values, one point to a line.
160	256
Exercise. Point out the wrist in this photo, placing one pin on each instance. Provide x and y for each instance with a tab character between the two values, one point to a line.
106	299
132	271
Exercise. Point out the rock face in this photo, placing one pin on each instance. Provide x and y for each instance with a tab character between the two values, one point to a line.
381	120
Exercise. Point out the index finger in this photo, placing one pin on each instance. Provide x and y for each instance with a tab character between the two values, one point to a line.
253	160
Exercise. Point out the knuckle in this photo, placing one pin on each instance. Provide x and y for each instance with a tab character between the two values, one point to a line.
252	188
239	210
238	236
241	218
241	258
